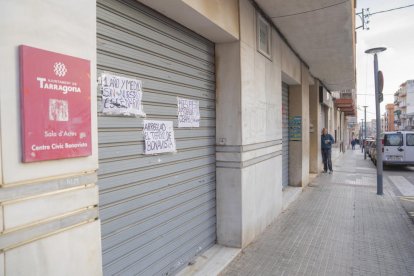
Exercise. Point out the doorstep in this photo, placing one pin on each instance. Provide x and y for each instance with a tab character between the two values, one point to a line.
290	194
211	262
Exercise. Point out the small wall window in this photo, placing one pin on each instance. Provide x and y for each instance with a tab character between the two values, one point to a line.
264	39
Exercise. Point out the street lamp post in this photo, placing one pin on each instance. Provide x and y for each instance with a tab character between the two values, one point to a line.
375	51
365	131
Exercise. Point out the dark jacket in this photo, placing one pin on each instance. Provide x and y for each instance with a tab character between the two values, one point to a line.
327	141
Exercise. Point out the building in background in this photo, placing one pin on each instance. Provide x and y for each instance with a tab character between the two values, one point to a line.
389	117
372	128
383	127
409	86
404	106
397	111
345	103
353	128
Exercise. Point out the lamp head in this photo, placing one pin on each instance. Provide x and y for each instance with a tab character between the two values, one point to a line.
375	50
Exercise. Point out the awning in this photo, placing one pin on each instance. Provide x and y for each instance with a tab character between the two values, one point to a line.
346	106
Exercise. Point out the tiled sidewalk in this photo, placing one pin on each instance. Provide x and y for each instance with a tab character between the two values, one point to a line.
339	226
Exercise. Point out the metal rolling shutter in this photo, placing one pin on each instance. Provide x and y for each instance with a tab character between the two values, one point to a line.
285	135
157	212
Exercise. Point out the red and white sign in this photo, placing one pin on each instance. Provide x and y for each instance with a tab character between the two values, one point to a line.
55	96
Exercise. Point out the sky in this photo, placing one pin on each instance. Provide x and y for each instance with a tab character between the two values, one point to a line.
395	31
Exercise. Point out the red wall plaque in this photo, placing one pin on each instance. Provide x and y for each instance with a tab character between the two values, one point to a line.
55	97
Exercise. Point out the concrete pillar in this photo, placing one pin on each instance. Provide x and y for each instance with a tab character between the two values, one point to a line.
315	162
299	150
228	108
249	143
249	133
343	131
336	124
331	122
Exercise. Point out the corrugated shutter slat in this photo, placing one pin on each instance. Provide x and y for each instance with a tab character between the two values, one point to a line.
157	212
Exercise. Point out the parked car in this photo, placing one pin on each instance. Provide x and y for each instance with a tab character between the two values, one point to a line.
398	148
368	144
373	152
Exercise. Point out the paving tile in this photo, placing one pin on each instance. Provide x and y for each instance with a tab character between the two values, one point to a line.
338	226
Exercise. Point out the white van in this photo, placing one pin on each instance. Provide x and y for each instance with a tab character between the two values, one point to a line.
398	148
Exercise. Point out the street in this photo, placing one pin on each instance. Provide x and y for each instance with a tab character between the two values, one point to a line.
401	180
404	171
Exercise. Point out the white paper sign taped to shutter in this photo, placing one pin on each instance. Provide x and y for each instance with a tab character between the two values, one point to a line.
121	95
159	137
188	113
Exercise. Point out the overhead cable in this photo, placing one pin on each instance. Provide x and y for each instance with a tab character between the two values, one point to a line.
399	8
318	9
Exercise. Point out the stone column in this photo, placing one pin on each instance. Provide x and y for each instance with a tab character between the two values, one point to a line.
228	108
299	150
249	136
315	158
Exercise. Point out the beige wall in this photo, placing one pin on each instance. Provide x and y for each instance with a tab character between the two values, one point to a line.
223	13
299	150
291	71
261	92
331	121
261	83
228	94
249	131
315	159
63	36
216	20
48	209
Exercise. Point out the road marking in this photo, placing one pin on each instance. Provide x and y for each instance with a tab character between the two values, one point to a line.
405	187
408	198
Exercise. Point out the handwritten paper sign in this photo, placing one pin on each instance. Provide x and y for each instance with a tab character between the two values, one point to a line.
159	137
188	113
121	96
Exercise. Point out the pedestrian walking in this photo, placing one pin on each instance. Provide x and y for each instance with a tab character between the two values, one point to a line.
326	145
353	142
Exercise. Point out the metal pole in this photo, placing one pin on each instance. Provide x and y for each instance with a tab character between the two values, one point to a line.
365	131
378	124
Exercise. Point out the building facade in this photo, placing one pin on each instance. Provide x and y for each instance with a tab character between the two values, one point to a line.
389	117
345	109
197	117
372	128
404	106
